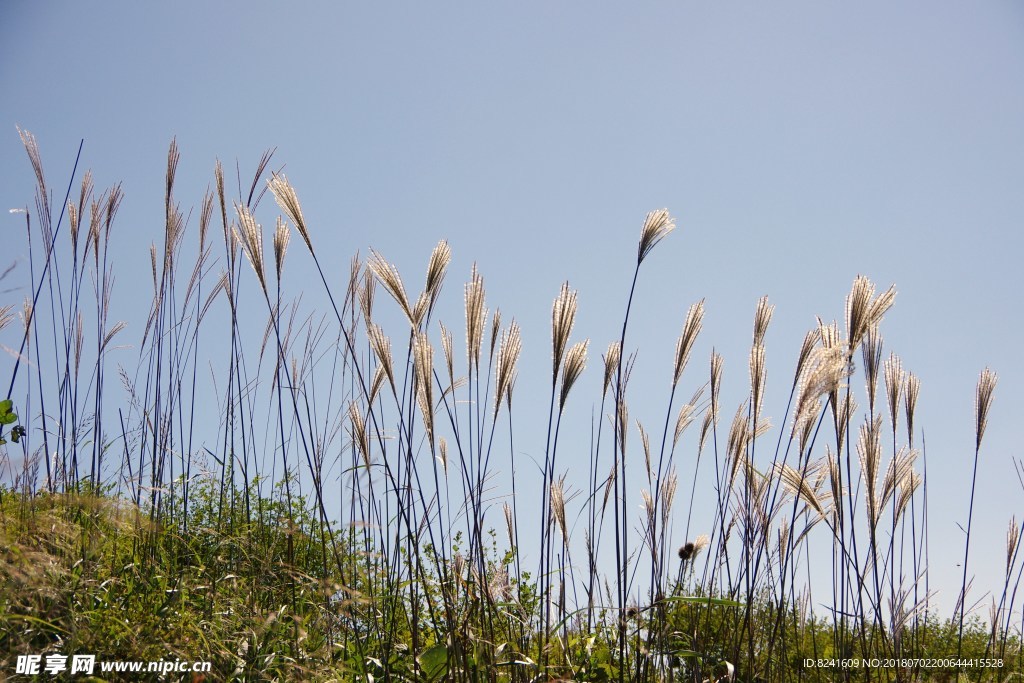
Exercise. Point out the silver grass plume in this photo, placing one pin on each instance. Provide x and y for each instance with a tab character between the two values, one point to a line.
27	314
442	447
762	317
895	381
705	430
645	441
282	236
205	216
872	353
376	383
440	257
73	226
691	328
575	362
510	526
863	310
797	482
360	437
476	316
907	487
495	330
716	383
910	402
387	275
250	234
284	195
683	420
558	507
448	347
983	402
869	452
508	356
6	316
806	348
423	355
758	373
611	364
563	317
657	225
835	479
668	494
381	346
899	472
1012	536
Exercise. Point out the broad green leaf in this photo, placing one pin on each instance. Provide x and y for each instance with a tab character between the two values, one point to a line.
434	661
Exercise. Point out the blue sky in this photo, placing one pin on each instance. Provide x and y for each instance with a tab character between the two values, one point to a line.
798	144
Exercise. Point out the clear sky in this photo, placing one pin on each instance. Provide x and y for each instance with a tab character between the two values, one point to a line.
797	144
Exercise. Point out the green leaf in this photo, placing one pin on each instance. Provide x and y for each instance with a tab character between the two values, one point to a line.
434	661
8	418
6	405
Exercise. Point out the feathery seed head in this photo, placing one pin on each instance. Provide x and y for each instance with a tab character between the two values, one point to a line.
376	383
983	402
6	316
436	269
1012	536
668	494
762	317
869	451
358	431
26	314
508	356
563	316
495	329
73	225
281	238
716	382
683	420
476	317
758	372
863	312
510	526
657	225
806	348
381	346
448	347
250	234
366	294
575	362
423	355
872	353
558	506
910	401
387	274
284	195
691	328
611	364
895	380
205	216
